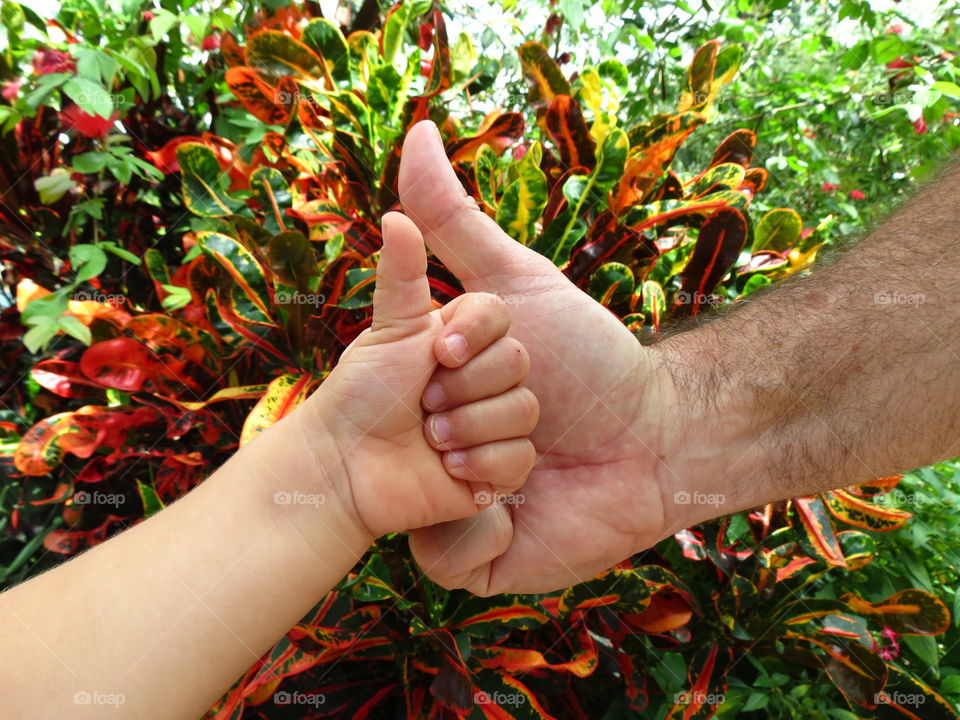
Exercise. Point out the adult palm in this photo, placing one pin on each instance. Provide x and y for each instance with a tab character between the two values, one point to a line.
598	492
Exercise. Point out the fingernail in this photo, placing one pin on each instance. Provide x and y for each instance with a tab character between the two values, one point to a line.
455	459
435	129
456	345
433	396
439	428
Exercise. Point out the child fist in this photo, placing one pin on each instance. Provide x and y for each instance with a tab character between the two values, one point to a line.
425	408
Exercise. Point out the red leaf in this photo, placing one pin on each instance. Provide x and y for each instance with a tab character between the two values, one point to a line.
569	131
260	99
500	132
667	611
719	243
123	364
63	378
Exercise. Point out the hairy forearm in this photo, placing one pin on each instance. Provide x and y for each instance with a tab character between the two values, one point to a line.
847	373
159	621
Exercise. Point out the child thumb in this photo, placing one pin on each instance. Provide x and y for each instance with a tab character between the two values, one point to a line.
402	293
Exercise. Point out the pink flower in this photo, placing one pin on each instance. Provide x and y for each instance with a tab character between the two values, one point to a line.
829	186
895	29
148	15
11	89
47	61
890	653
211	42
857	195
91	126
889	633
920	126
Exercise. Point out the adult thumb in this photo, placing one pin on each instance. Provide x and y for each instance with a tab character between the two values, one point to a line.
402	293
466	239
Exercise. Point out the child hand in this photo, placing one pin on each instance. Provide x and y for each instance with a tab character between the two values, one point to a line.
411	458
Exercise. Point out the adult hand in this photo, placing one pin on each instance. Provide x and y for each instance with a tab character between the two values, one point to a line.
600	490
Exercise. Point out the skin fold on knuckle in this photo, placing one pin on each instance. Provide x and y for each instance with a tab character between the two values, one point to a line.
517	359
528	408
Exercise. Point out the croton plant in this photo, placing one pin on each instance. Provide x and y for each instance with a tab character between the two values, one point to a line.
173	341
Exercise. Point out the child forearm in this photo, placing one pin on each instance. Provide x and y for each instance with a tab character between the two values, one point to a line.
160	620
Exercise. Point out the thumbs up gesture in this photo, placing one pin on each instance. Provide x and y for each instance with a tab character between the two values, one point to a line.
425	409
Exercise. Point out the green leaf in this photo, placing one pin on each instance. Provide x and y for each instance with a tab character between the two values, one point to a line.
523	201
203	182
947	88
485	616
250	297
393	30
12	16
328	42
925	648
755	283
619	589
178	297
114	249
75	328
544	78
54	186
951	685
358	288
198	25
272	191
278	54
778	230
44	87
39	335
569	226
756	701
88	261
152	504
90	96
90	162
484	173
611	284
162	22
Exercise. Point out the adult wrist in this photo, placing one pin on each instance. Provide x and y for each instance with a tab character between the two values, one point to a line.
715	436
